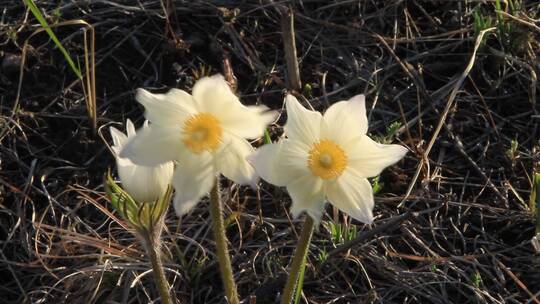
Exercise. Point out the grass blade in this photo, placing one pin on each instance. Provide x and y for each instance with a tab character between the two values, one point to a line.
37	14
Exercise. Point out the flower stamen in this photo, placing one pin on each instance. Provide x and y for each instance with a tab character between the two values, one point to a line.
327	160
202	132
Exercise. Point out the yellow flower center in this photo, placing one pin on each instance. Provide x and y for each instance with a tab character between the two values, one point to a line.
327	160
202	132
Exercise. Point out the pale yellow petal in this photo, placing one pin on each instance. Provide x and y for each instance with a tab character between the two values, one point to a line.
213	95
130	128
232	161
282	162
144	183
302	124
353	195
169	109
246	122
193	179
307	195
369	158
345	120
119	140
154	145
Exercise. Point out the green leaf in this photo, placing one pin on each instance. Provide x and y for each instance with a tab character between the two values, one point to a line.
37	14
267	139
376	185
392	129
534	202
122	201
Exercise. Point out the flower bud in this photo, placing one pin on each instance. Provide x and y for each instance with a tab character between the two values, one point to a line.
143	183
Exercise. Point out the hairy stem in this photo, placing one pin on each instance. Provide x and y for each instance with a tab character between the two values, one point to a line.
298	260
153	245
221	245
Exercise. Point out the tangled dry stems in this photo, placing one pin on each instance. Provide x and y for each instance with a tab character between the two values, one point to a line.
61	242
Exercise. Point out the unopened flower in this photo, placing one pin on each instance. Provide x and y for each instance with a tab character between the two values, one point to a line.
205	132
143	183
327	157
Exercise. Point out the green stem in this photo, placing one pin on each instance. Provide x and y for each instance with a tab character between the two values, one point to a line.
221	245
298	260
153	246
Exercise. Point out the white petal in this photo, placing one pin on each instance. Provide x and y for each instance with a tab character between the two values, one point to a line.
154	145
246	122
282	162
307	195
302	125
119	139
166	109
143	183
213	94
181	206
369	158
353	195
345	120
294	158
130	128
192	179
183	99
232	162
267	164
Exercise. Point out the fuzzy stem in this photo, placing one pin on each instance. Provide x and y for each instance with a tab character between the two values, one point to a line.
221	245
153	246
298	260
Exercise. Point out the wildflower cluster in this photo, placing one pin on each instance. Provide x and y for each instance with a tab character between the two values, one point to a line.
189	140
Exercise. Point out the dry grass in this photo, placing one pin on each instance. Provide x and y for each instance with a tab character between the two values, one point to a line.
461	236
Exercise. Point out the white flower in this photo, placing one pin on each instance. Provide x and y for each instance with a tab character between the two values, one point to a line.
143	183
205	132
327	157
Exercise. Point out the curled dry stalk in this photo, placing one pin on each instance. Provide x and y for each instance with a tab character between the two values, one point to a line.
216	212
147	219
88	81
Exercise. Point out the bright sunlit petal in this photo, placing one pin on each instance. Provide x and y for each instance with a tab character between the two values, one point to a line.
154	145
130	128
353	195
307	195
119	139
143	183
166	109
192	179
232	161
302	124
345	120
213	95
369	158
282	162
254	120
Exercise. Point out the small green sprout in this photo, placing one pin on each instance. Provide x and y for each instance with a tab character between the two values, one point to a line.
376	185
477	279
341	233
512	153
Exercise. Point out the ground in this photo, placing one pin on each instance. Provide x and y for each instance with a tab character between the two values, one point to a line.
472	133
